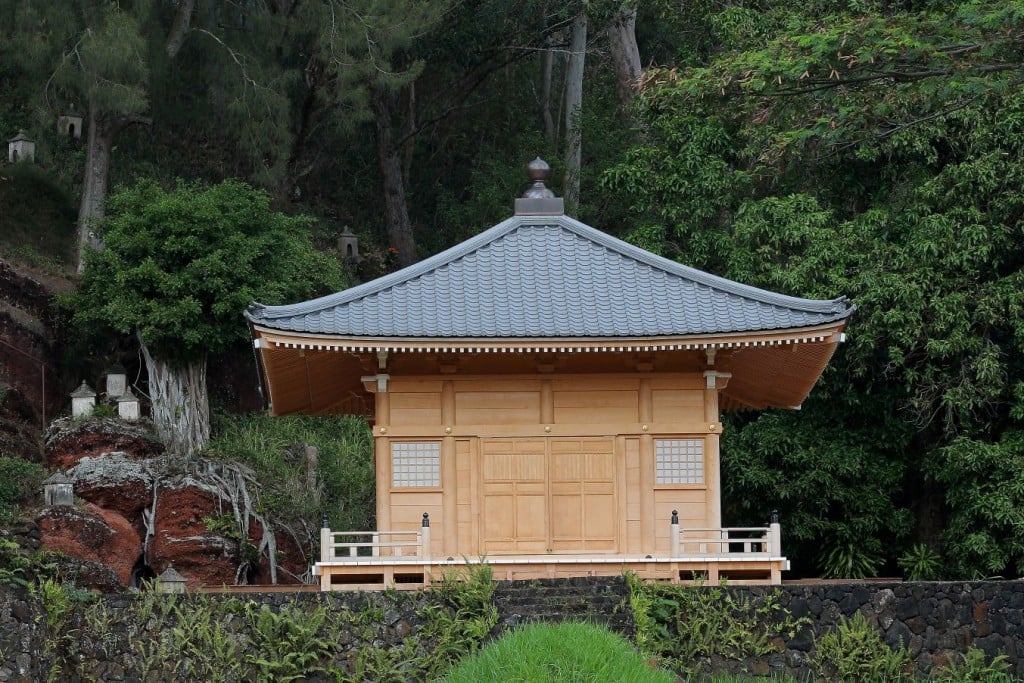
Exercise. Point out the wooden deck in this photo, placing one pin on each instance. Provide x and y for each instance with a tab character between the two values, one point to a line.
400	560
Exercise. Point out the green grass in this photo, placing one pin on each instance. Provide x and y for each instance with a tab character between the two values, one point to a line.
37	218
560	653
344	487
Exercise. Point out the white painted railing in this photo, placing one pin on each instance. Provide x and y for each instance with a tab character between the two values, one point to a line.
373	545
735	541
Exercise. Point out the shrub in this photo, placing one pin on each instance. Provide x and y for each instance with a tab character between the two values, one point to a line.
855	652
558	652
344	487
19	481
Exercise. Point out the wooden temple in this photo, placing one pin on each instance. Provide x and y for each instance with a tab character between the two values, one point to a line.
546	398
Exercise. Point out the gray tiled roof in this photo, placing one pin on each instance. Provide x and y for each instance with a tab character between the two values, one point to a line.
547	277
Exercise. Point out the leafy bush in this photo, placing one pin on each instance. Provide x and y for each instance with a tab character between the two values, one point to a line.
855	652
689	626
19	481
972	666
271	446
921	563
558	652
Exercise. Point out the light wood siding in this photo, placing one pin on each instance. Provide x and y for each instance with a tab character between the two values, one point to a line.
584	514
407	510
497	408
596	407
634	537
678	405
415	408
514	483
466	476
692	507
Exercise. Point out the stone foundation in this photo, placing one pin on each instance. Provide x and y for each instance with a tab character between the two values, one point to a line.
936	621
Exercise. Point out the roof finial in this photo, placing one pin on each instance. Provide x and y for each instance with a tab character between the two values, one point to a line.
538	199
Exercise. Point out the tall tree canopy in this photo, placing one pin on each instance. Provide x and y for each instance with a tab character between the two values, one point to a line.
876	155
178	269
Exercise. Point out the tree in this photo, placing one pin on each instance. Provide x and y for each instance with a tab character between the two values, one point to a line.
177	270
878	156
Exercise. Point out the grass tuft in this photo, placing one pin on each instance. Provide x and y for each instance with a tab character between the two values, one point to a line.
561	653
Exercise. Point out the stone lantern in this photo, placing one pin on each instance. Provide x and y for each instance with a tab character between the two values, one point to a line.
117	381
348	245
69	124
128	406
170	581
83	400
58	490
21	148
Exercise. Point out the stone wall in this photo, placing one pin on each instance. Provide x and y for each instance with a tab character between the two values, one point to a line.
934	620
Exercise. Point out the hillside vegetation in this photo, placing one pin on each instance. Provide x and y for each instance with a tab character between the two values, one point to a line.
866	149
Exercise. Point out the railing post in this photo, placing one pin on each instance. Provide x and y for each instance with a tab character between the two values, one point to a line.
674	538
425	537
775	535
325	541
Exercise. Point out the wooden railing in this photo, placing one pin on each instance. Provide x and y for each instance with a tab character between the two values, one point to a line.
725	541
373	545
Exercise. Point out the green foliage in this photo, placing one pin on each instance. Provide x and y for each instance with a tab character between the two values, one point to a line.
854	652
984	484
344	487
180	266
287	642
874	151
561	652
39	217
921	563
690	626
20	481
974	667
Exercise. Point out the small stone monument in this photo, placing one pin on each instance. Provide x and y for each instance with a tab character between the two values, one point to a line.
117	381
58	490
69	124
21	148
128	406
170	581
348	245
83	400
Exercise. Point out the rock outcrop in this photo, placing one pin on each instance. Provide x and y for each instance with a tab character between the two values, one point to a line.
144	511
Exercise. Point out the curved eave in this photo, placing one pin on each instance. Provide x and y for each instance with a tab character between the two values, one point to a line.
320	374
273	338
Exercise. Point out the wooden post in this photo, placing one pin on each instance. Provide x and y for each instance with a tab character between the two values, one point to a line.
382	459
714	383
674	537
325	542
449	475
425	537
775	536
647	520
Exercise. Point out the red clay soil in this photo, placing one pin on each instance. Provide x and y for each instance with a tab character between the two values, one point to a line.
92	534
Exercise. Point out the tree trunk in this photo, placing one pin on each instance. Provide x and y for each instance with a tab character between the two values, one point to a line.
100	140
547	63
573	111
625	56
179	27
180	405
395	209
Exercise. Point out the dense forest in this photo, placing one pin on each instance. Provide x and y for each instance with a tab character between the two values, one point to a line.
821	148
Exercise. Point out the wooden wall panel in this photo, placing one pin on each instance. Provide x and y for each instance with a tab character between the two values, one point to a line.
692	508
407	510
597	407
415	408
497	408
678	405
633	541
465	497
